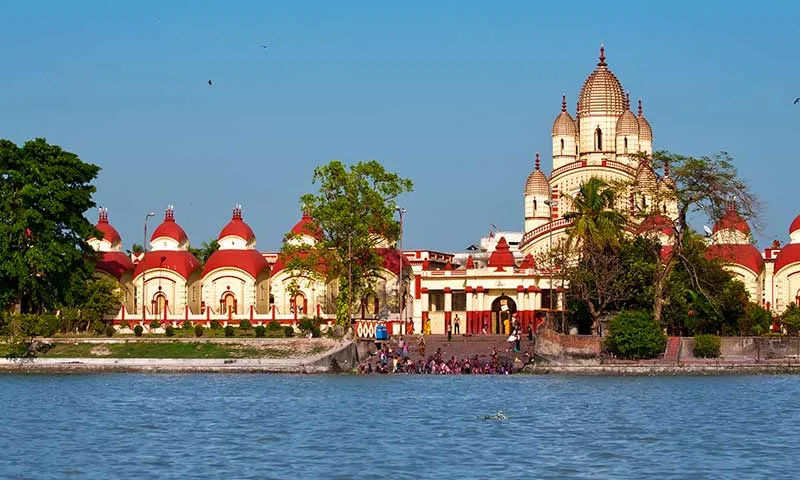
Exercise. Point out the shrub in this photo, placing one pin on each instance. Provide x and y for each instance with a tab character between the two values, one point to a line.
755	320
791	319
245	324
635	335
187	325
230	331
261	331
215	325
137	330
198	330
310	325
155	324
125	325
274	325
706	346
30	325
288	331
169	331
110	330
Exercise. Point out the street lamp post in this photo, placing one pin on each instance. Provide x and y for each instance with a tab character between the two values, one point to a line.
144	253
400	211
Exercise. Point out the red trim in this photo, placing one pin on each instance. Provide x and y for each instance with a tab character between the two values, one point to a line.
479	289
417	286
447	290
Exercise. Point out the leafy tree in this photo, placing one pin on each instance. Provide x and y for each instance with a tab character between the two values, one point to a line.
353	214
136	249
102	298
756	320
791	319
206	249
703	185
596	233
43	249
635	335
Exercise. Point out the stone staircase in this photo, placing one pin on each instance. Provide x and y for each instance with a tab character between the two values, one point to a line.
463	346
672	351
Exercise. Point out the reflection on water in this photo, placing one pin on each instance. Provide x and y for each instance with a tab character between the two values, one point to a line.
266	426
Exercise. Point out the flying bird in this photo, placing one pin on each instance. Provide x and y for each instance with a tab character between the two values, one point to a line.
209	83
265	45
797	100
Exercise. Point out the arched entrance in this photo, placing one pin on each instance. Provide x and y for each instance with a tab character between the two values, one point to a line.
503	308
159	303
298	304
227	303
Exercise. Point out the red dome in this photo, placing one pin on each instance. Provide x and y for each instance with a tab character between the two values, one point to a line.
656	223
251	261
745	255
788	255
115	264
795	226
237	227
502	256
179	261
109	233
169	229
732	221
306	226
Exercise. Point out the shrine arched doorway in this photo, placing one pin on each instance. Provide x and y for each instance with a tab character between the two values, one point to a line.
503	309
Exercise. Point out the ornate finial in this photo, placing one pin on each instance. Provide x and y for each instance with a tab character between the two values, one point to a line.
170	213
537	161
103	215
306	211
563	102
602	62
640	107
627	100
237	212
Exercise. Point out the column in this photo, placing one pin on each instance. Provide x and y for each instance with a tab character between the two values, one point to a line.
448	308
468	321
481	316
425	307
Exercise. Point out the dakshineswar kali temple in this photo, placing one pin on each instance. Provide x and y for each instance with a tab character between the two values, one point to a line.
482	288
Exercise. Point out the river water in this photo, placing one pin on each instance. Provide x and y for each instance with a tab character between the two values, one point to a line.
271	426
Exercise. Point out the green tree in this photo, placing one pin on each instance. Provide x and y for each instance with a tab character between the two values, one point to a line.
596	233
791	319
102	298
353	214
704	185
43	249
635	335
206	249
755	321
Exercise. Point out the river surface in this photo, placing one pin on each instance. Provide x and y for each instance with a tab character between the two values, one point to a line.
270	426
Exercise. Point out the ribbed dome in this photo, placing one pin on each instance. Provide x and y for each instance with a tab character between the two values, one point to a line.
627	123
564	124
601	92
645	132
537	183
645	177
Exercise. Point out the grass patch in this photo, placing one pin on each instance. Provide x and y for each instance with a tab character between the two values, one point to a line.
170	350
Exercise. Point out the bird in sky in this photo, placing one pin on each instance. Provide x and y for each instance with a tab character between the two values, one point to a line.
209	83
796	100
265	45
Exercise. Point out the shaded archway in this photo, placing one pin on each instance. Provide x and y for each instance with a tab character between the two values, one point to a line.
503	309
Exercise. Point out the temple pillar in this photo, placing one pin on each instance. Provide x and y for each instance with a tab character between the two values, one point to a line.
481	317
448	308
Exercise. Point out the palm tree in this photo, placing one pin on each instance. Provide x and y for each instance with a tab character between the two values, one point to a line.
595	222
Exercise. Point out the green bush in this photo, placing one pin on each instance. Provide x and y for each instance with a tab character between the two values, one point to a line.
310	325
187	325
755	320
215	325
155	324
245	324
230	331
707	346
125	325
274	325
288	331
635	335
791	319
261	331
29	325
137	330
198	330
110	330
169	331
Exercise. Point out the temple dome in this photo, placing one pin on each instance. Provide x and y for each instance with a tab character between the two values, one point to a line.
169	228
601	92
537	183
627	123
110	233
564	123
731	220
237	227
645	132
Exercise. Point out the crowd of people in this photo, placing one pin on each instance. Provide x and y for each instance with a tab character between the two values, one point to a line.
388	360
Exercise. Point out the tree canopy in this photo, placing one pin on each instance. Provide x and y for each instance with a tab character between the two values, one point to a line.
352	215
44	193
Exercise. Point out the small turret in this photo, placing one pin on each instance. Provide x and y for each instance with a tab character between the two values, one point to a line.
564	137
537	194
645	133
627	133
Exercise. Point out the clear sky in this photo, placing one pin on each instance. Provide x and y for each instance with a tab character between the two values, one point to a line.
457	96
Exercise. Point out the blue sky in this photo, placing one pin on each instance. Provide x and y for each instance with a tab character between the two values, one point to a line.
457	96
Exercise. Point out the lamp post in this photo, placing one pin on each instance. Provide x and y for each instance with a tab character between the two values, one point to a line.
144	253
400	211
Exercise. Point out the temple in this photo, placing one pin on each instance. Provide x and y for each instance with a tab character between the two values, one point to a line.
481	288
